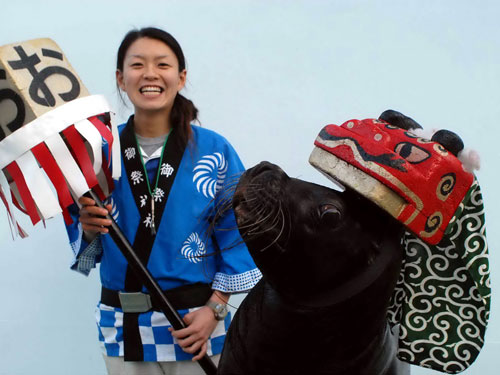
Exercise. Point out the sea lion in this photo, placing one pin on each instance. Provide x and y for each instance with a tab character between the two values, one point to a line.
330	261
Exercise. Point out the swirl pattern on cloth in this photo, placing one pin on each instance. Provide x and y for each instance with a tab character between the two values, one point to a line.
114	209
193	248
209	174
443	295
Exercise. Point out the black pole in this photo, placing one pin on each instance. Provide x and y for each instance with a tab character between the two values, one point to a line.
148	281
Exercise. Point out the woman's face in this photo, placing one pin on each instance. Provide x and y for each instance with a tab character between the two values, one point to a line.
151	76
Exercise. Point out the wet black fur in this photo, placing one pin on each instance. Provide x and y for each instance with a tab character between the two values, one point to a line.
330	262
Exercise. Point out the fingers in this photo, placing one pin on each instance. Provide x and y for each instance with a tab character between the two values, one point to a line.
86	201
186	336
188	318
89	202
202	352
93	210
92	217
94	225
189	340
193	339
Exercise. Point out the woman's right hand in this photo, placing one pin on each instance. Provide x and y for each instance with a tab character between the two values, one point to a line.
92	217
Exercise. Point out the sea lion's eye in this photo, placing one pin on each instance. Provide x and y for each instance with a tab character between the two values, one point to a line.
329	214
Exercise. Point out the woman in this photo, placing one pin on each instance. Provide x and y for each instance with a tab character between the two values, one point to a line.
163	203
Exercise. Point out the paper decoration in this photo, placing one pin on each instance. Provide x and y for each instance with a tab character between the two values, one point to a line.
51	134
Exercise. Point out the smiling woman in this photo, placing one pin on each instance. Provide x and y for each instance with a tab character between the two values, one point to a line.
161	155
151	76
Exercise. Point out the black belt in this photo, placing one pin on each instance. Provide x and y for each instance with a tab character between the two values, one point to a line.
183	297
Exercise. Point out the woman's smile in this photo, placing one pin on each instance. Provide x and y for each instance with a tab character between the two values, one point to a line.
151	91
151	76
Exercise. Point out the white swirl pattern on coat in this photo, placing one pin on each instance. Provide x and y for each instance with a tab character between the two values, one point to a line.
193	248
209	174
114	210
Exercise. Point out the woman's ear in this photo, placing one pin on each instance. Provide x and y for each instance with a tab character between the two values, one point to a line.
182	80
119	79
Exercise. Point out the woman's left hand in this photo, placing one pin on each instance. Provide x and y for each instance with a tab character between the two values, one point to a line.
200	325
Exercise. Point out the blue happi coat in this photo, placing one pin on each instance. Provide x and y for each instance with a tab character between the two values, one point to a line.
184	251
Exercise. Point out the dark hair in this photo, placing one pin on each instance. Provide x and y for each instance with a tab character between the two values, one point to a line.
183	110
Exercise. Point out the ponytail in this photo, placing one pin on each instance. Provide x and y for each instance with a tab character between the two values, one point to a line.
182	114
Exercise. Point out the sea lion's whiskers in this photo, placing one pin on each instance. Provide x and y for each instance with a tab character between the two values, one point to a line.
276	219
257	230
225	192
255	223
280	210
267	247
289	231
276	238
223	202
216	214
222	205
257	209
274	223
221	210
253	196
231	181
257	212
216	211
223	198
234	177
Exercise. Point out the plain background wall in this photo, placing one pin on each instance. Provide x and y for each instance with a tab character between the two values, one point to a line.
268	75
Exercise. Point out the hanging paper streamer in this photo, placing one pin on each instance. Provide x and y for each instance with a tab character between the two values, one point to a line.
65	148
54	152
52	134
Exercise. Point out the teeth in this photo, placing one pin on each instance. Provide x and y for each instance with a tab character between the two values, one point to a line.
151	89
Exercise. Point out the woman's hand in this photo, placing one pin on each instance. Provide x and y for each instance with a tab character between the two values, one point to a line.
92	217
200	325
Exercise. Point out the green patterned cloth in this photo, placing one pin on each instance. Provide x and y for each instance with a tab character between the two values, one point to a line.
442	300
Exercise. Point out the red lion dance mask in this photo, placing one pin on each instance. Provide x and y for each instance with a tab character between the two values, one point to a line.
442	298
425	182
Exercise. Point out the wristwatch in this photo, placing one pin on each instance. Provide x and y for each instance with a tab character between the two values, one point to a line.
220	309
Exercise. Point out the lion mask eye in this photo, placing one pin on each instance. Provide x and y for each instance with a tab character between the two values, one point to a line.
330	215
412	153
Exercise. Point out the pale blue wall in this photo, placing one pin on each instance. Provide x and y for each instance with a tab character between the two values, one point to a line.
268	75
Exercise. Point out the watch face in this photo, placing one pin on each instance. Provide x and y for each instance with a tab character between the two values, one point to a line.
220	311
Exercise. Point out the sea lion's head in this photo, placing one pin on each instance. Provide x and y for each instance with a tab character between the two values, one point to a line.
308	239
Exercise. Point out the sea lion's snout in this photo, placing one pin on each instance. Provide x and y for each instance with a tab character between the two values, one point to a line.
267	174
264	181
256	202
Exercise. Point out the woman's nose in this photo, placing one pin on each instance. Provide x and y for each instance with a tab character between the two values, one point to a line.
150	72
